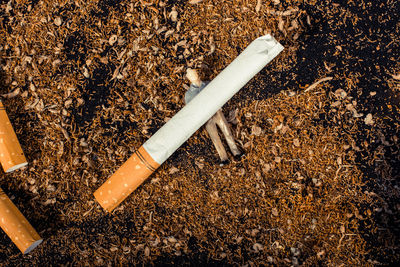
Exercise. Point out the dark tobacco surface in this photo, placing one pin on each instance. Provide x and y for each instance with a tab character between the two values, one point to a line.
318	184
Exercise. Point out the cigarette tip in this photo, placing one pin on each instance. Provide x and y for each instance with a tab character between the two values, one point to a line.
99	200
33	246
16	167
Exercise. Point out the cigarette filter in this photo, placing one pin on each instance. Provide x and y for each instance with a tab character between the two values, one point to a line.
11	154
126	179
187	121
16	226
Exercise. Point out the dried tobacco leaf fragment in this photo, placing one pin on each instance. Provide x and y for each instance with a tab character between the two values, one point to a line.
368	119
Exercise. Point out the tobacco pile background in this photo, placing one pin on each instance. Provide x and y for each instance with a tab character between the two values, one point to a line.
87	82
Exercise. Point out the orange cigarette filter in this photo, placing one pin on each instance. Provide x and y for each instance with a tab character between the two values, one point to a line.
16	226
126	179
11	154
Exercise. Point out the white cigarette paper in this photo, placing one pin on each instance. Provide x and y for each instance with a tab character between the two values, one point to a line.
222	88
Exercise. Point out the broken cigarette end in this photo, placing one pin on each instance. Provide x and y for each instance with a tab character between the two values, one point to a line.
193	77
126	179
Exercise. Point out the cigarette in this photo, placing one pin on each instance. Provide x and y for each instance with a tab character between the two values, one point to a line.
16	226
186	122
11	154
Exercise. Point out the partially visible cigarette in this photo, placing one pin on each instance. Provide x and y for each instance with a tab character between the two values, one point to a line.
16	225
11	154
187	121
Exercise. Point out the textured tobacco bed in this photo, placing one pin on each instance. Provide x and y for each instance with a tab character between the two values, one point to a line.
87	82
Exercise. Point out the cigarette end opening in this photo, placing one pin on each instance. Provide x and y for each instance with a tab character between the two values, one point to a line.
106	208
33	246
16	167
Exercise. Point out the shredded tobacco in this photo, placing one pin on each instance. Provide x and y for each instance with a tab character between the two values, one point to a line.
85	83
